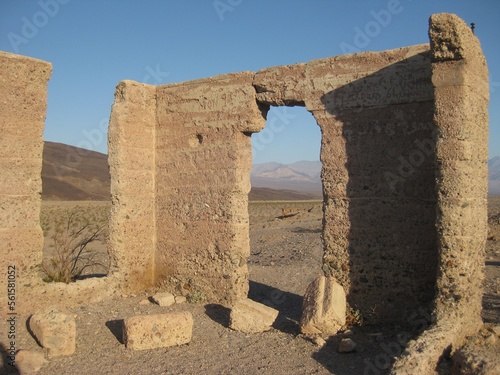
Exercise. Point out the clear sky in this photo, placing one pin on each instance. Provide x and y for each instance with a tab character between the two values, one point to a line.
94	44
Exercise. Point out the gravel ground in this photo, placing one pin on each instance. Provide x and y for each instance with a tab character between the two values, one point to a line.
285	258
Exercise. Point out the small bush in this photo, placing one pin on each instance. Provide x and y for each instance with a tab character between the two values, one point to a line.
196	297
71	238
353	317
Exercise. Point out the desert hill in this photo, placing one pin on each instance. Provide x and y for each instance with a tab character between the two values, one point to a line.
73	174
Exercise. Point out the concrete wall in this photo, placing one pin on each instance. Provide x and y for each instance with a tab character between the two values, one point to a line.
203	163
461	96
377	149
23	102
379	123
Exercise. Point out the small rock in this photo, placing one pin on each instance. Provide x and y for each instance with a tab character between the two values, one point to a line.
145	302
180	299
491	339
496	330
164	299
29	361
319	341
347	345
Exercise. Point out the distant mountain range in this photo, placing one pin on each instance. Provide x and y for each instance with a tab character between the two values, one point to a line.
302	176
72	173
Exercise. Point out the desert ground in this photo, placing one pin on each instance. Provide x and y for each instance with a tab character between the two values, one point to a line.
285	257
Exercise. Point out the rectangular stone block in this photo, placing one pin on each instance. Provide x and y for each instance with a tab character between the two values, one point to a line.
252	317
55	331
143	332
324	307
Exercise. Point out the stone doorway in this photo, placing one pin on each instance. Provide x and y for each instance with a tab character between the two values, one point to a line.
285	212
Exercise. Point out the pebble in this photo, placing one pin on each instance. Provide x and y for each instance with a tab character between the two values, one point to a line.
491	339
318	341
347	345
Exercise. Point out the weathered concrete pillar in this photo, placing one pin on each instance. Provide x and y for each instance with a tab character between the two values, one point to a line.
132	228
203	162
461	95
23	102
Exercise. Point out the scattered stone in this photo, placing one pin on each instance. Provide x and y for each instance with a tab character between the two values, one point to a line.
55	331
164	299
252	317
29	361
491	339
324	307
180	299
157	331
495	330
145	302
319	341
347	345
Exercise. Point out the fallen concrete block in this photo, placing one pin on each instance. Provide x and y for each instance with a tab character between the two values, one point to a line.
157	331
324	307
54	331
252	317
164	299
29	361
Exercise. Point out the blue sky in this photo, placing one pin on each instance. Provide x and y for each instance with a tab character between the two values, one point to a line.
94	44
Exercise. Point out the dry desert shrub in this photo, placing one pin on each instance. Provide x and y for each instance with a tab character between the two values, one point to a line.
71	234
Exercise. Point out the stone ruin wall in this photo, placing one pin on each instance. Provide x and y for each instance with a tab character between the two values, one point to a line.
404	153
379	219
23	103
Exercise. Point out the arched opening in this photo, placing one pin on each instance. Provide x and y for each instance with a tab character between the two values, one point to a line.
285	210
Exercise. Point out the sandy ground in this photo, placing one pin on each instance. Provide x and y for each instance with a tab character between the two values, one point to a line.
285	258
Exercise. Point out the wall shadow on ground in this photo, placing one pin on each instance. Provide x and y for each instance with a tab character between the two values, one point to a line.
288	304
116	328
